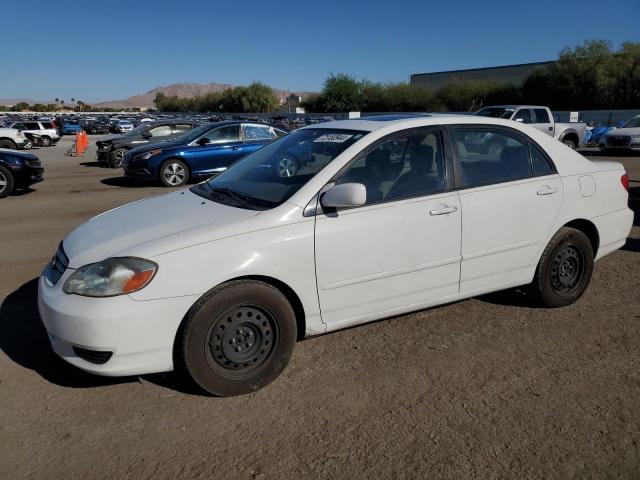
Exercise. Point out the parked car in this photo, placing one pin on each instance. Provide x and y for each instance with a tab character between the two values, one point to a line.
18	170
71	127
199	153
124	126
96	127
111	150
626	137
541	118
46	131
11	138
219	280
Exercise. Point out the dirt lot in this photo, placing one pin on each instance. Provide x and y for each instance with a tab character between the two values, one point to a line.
484	388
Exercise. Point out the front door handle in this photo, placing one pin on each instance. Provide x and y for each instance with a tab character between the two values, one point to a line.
235	148
547	190
443	210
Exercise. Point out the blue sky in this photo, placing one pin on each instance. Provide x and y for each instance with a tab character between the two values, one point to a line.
114	49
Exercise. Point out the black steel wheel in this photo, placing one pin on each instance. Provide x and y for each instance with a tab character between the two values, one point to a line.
564	270
241	340
237	338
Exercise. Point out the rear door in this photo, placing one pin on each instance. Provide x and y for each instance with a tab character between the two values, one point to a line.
510	195
224	148
542	121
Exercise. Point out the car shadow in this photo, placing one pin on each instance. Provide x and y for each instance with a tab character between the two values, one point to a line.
22	191
24	340
94	164
126	182
513	297
600	153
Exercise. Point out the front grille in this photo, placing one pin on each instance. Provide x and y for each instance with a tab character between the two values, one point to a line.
618	140
33	163
57	266
93	356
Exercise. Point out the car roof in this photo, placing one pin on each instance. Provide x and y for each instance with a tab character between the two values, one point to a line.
513	106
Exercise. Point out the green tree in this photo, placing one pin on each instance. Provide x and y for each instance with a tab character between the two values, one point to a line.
341	93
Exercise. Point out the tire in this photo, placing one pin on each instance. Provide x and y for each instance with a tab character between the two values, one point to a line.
570	143
45	141
9	144
237	338
564	271
174	173
117	156
6	182
287	166
28	145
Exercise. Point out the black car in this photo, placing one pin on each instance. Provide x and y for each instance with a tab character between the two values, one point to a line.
95	127
18	170
111	149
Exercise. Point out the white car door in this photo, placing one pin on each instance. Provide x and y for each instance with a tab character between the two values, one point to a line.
510	197
543	121
401	250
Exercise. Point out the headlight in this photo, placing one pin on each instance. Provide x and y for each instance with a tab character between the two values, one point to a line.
148	155
111	277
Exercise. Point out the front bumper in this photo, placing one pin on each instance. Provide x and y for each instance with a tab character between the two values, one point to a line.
28	176
139	334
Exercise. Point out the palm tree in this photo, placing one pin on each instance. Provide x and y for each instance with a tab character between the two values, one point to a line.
57	100
73	99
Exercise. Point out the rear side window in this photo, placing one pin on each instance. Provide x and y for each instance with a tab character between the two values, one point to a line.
523	114
542	116
229	133
487	156
539	162
255	132
47	125
161	131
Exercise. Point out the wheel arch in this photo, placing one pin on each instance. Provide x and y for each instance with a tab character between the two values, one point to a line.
589	229
570	135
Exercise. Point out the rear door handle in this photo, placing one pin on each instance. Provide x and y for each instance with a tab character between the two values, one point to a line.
444	210
547	190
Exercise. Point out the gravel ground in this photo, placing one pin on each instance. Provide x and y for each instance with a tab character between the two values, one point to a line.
485	388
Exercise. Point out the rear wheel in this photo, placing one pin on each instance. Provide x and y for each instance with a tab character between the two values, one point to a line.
570	143
6	182
237	339
564	271
174	173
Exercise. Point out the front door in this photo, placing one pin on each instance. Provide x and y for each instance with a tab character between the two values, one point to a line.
401	250
224	148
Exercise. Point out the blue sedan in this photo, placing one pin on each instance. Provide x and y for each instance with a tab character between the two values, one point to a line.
198	154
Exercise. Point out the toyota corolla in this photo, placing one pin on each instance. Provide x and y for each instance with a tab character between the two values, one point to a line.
382	216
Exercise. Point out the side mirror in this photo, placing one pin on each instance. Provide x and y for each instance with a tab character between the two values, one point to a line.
203	141
345	195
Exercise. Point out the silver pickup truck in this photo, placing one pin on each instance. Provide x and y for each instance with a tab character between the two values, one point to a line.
571	134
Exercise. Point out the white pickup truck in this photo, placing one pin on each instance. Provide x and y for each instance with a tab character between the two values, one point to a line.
571	134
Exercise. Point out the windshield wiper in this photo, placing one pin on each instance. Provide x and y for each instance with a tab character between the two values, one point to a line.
242	199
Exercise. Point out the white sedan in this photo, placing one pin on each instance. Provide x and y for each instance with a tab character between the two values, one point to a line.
373	217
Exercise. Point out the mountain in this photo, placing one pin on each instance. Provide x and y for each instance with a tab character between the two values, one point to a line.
14	101
184	90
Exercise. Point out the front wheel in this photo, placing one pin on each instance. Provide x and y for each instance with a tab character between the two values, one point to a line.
236	339
117	156
564	271
174	173
6	182
45	141
28	145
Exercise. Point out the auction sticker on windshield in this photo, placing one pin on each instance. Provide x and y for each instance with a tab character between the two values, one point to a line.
333	138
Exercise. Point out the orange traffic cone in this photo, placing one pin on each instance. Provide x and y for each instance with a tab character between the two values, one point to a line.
79	150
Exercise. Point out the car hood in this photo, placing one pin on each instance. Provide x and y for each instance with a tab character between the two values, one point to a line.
132	229
110	138
624	131
8	153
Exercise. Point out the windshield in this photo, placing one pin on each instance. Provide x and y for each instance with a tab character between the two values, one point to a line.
633	123
496	112
271	175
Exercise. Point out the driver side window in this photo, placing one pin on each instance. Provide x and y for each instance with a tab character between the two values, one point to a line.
402	167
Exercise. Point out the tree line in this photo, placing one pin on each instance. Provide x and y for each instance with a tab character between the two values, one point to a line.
256	98
590	76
